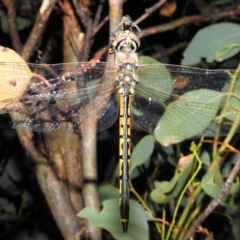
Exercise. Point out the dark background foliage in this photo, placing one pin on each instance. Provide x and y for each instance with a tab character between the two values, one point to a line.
24	212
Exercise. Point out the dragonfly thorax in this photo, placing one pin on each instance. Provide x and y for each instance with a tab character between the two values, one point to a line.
127	78
126	58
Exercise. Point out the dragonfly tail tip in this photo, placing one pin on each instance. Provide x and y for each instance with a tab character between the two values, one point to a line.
125	226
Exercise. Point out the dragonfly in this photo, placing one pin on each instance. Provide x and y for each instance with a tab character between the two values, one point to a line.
172	102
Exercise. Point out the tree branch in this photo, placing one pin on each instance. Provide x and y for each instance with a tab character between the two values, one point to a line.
214	203
54	189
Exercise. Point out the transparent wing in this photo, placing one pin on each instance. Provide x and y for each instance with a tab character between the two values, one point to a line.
178	103
43	97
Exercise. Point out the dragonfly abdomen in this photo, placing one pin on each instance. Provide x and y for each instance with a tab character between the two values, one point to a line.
125	99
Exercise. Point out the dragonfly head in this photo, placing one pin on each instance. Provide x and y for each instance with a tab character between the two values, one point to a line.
126	36
126	42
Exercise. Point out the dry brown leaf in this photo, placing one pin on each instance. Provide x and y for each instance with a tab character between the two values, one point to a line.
184	161
15	76
168	8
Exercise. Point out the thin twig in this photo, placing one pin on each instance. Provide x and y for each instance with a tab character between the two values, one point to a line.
100	26
190	19
97	28
16	42
98	14
39	26
169	51
88	43
73	44
225	189
150	11
83	16
88	23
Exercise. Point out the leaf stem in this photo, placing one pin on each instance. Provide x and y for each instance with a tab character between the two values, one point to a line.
181	197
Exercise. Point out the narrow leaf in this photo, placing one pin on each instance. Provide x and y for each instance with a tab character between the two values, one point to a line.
161	194
142	152
212	182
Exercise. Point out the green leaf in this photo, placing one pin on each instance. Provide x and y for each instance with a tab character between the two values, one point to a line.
233	102
235	190
26	198
231	206
185	119
142	152
147	60
109	219
155	76
214	43
8	210
235	227
205	158
200	198
23	23
107	191
166	186
165	191
7	182
212	182
4	22
193	147
29	235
